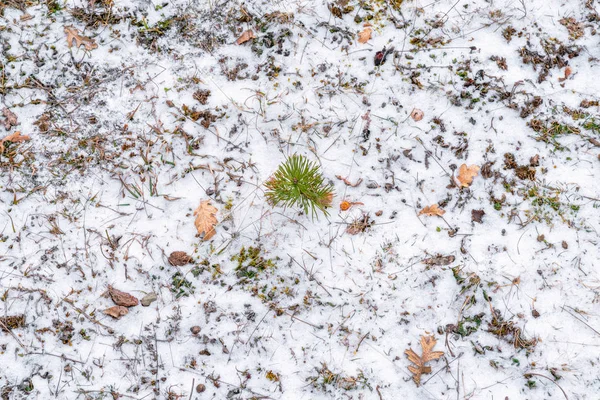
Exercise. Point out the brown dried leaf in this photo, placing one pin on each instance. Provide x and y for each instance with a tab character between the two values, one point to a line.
179	258
427	344
10	118
205	219
365	35
477	215
347	182
466	175
417	114
12	322
432	210
116	311
73	35
121	298
15	138
247	35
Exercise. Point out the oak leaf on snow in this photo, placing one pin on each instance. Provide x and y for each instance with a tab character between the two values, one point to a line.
432	210
365	35
73	35
419	368
466	175
206	219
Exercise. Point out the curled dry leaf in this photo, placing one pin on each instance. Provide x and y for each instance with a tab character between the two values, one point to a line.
10	118
439	260
347	182
427	344
206	219
15	138
179	258
121	298
346	205
466	175
80	40
432	210
417	114
365	35
116	311
568	72
247	35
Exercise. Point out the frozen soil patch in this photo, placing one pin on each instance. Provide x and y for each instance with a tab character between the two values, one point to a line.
448	250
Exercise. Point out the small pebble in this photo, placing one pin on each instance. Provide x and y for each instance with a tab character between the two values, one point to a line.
148	299
195	329
200	388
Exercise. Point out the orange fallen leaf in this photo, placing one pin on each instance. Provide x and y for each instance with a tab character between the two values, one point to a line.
247	35
417	114
346	205
466	174
432	210
74	35
206	219
365	35
568	72
15	138
427	344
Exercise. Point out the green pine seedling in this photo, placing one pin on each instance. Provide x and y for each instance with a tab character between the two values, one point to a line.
298	182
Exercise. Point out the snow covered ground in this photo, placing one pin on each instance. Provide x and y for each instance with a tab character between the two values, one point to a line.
132	112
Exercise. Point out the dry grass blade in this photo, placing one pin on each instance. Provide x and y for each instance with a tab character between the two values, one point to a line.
206	219
427	345
73	35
